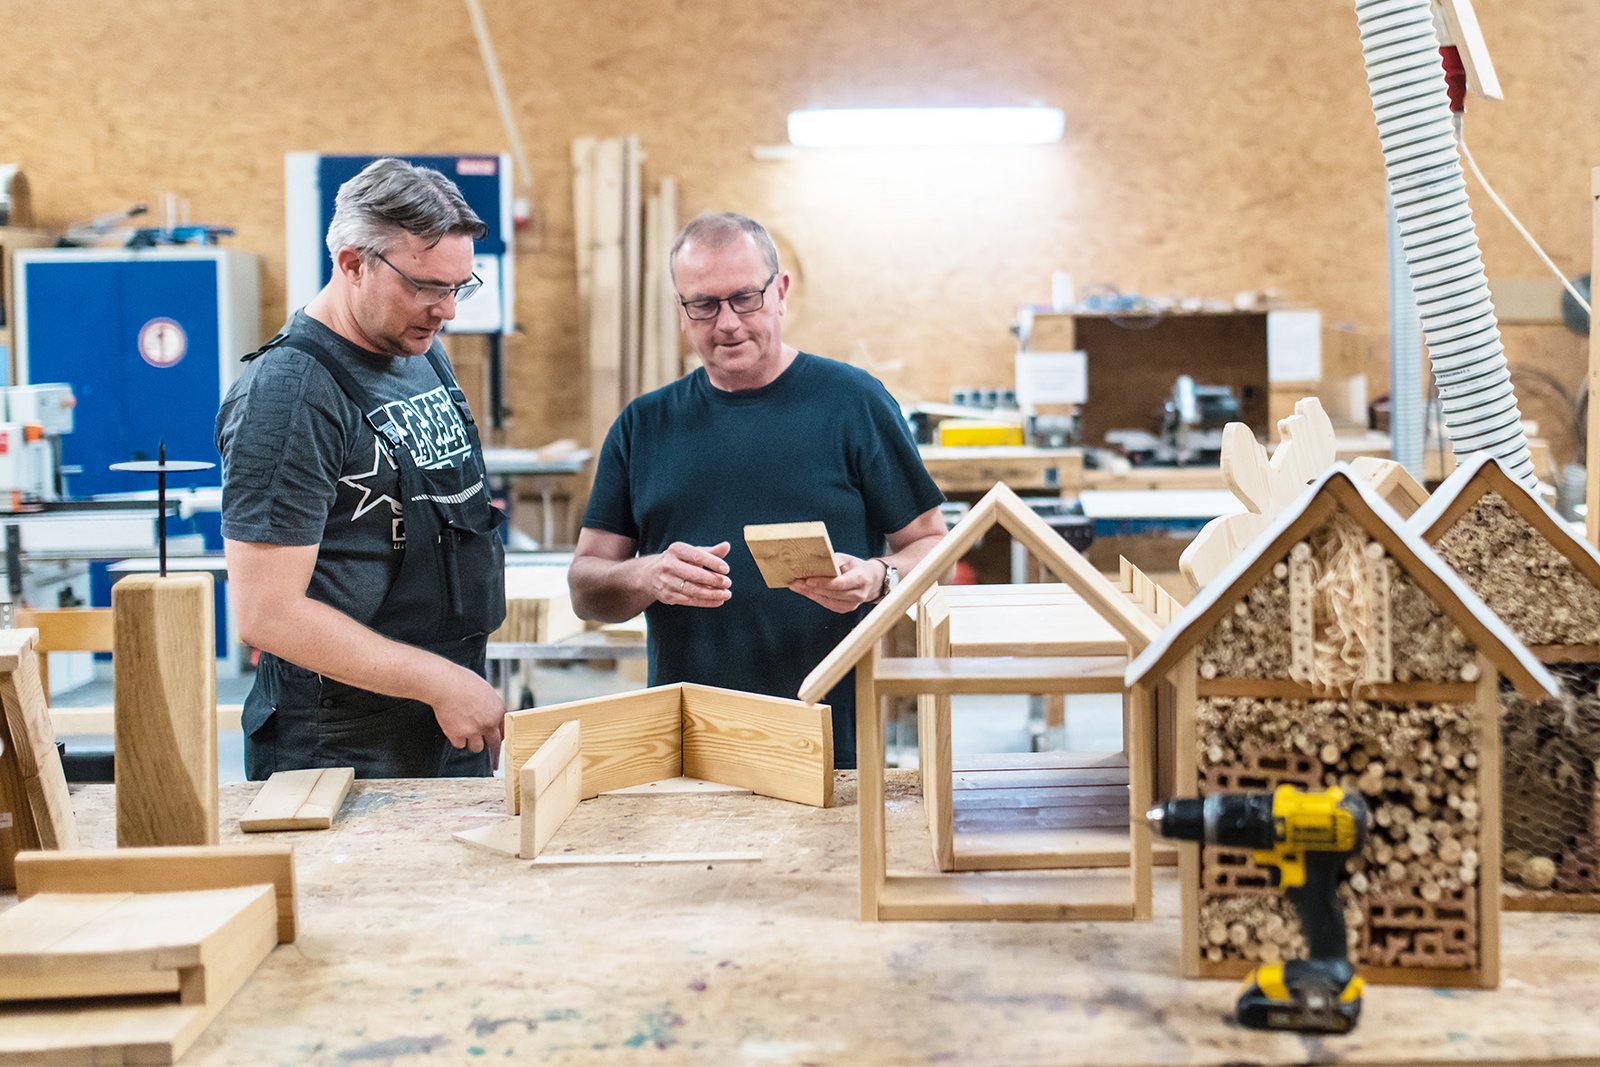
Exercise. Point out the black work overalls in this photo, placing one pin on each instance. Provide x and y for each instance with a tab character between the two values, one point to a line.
446	598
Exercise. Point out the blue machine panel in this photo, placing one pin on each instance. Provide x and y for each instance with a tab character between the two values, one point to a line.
84	320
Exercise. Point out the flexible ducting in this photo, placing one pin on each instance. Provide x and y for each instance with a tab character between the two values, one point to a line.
1429	192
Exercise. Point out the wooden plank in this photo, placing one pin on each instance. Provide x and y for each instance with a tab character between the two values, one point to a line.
1139	733
1041	797
606	326
1081	813
1038	778
629	739
162	870
1023	674
165	677
788	551
551	783
665	325
101	719
1489	822
1393	484
306	799
1037	761
1038	898
934	629
1067	627
1388	692
774	747
68	629
60	945
1566	653
1039	850
1187	781
654	264
101	1031
35	808
1592	455
632	279
679	786
870	758
22	695
644	858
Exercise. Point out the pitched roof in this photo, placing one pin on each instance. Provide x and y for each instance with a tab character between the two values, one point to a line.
1339	490
1484	474
999	505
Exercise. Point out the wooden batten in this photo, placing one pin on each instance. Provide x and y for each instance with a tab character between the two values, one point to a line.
307	799
35	809
771	746
551	784
933	732
166	723
788	551
629	739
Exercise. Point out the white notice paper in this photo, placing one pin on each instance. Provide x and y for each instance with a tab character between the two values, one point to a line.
1294	346
1051	378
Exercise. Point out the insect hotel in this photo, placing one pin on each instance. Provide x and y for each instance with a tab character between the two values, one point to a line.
1544	583
1339	650
978	874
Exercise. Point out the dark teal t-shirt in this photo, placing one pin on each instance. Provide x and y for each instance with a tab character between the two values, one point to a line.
689	462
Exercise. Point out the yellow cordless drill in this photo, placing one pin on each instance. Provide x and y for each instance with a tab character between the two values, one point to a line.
1302	839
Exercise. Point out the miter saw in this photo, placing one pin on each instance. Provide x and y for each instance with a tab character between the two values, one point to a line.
1191	427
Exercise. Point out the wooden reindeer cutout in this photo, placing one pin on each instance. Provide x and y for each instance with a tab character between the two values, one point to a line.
1266	486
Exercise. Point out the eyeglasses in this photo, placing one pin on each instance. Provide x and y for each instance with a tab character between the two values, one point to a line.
741	303
429	295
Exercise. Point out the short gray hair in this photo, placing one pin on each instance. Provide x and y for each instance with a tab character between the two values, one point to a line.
718	229
390	197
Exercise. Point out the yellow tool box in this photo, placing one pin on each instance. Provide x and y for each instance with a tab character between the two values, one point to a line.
974	432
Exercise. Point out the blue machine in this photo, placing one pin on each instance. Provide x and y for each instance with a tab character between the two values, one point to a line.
149	340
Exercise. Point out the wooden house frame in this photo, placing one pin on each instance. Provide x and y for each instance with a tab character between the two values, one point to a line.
978	894
1576	879
1490	651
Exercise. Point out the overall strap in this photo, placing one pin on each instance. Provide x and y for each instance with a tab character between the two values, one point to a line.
385	427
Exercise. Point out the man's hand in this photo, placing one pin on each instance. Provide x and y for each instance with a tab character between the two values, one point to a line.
858	583
471	714
690	576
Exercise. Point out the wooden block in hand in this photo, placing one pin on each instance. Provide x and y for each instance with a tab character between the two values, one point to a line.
787	551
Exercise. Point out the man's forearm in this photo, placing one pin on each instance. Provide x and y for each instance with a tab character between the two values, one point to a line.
606	590
906	559
320	638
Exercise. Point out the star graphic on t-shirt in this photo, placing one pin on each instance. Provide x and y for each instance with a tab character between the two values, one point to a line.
367	501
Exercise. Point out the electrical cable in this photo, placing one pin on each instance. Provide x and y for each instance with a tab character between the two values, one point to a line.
1461	139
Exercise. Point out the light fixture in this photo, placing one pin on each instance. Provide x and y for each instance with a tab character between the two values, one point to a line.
896	127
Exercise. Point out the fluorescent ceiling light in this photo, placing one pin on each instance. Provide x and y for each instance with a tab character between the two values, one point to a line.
890	127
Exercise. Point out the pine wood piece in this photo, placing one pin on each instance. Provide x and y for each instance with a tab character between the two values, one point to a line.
1078	897
1592	457
164	870
934	767
306	799
1002	674
59	945
552	784
643	858
1392	483
788	551
66	630
166	696
771	746
628	739
211	951
35	808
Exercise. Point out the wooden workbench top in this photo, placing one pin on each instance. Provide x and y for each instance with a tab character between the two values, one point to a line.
416	948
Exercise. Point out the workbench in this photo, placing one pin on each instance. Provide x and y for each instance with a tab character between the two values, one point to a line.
416	948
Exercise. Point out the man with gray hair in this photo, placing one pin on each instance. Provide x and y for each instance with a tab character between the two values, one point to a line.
762	433
362	548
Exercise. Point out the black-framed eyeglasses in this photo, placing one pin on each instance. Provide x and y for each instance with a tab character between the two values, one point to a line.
429	295
744	303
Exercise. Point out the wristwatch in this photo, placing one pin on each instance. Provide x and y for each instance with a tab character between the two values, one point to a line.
891	578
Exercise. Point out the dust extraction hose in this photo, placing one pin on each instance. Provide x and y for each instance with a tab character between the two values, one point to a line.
1429	192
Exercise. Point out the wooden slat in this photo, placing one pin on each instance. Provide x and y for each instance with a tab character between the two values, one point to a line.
1041	797
1039	850
870	758
1139	735
35	809
63	945
1566	653
166	694
101	719
1022	674
1039	898
551	784
163	870
1089	814
933	732
69	629
1385	692
629	739
775	747
1489	822
1038	761
306	799
1038	778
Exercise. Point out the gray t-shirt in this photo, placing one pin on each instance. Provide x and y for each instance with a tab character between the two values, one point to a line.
302	466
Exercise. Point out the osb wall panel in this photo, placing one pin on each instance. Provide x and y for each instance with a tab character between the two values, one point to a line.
1210	148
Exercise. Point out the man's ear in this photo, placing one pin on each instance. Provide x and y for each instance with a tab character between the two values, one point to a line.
783	293
348	262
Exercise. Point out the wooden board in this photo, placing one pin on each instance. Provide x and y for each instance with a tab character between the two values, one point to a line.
788	551
137	1030
162	870
35	809
166	695
774	747
551	784
1002	674
628	739
306	799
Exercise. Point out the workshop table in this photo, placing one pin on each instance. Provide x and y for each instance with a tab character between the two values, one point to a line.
416	948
